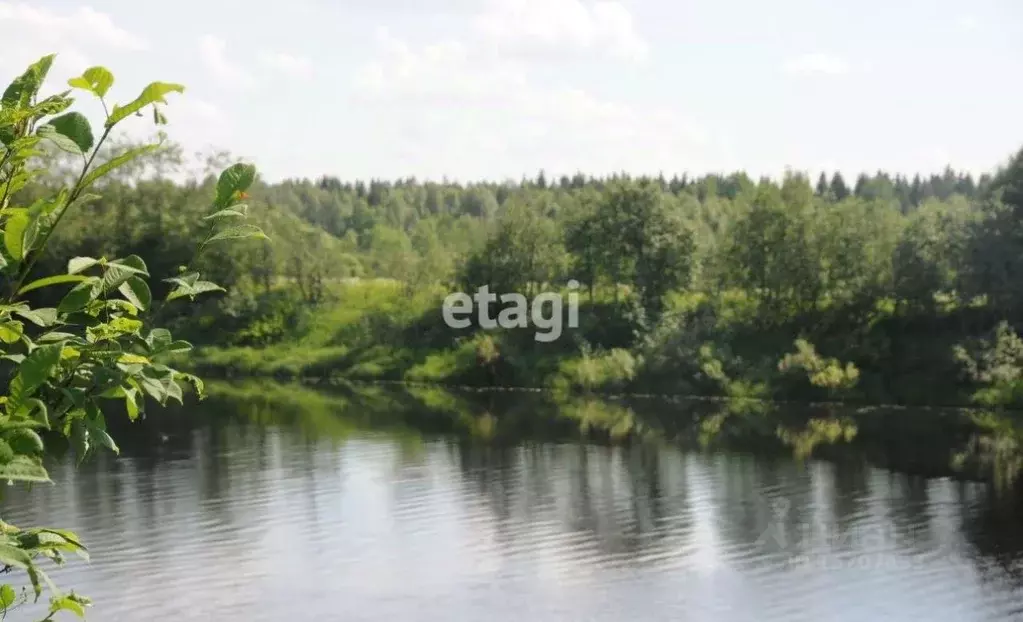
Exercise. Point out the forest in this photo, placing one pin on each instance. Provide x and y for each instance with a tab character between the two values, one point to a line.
887	289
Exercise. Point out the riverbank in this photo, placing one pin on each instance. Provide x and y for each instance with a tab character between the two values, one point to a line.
701	345
891	388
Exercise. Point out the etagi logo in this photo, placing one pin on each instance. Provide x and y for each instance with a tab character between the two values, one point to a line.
516	313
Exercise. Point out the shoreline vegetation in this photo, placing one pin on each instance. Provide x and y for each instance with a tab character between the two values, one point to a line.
886	290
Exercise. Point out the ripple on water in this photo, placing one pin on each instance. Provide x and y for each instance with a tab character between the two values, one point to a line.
271	527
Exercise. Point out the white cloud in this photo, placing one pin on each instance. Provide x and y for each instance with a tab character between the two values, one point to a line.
103	28
76	36
82	25
444	70
293	65
546	25
817	64
453	109
214	54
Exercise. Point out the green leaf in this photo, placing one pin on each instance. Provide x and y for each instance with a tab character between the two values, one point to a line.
11	331
18	181
36	409
200	287
62	142
65	603
14	234
13	556
125	325
158	339
58	336
136	291
59	279
131	402
226	213
185	286
40	317
24	469
68	536
120	270
98	430
35	574
152	94
241	231
7	596
79	434
117	162
80	264
121	306
154	389
117	274
54	104
26	86
81	295
186	280
26	441
197	384
234	180
131	263
32	373
177	347
22	230
76	127
96	80
174	391
105	440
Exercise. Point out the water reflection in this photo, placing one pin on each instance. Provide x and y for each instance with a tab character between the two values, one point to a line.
285	504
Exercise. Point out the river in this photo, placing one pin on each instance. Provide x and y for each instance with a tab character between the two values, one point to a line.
230	516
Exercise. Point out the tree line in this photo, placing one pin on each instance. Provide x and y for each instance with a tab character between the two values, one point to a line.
864	271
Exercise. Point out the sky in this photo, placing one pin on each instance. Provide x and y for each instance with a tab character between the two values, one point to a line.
497	89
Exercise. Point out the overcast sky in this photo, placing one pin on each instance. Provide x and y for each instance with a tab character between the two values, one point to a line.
473	89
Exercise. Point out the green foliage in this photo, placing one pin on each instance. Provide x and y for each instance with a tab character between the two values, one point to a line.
98	343
73	127
996	364
96	80
525	252
631	236
607	371
153	94
822	372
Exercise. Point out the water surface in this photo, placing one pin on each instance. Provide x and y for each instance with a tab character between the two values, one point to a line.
239	518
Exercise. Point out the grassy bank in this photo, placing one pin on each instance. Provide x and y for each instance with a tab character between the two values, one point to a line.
702	345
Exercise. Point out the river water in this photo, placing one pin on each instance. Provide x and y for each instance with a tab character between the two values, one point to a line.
236	519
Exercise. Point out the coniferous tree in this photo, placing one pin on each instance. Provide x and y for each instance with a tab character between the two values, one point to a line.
822	185
838	188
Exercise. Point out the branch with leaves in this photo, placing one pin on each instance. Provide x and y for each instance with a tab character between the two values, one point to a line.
99	343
